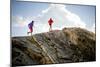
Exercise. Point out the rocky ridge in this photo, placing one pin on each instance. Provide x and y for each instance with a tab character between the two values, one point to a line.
58	46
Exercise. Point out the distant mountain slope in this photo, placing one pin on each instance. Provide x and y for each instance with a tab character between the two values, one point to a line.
59	46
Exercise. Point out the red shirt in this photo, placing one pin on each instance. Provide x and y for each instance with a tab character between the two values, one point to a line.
50	21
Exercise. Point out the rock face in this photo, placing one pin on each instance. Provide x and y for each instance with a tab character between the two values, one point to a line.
58	46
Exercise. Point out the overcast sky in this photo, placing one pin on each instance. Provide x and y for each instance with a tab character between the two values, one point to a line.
63	15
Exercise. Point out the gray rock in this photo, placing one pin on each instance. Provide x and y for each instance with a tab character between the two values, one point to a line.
58	46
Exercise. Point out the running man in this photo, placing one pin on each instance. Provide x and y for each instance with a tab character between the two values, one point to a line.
30	26
50	21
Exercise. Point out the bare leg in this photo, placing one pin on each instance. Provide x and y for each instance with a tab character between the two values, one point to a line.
31	33
50	27
28	32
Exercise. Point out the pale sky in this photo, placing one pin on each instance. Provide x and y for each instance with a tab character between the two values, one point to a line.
64	15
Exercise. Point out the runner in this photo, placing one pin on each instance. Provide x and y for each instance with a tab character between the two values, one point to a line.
30	25
50	21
